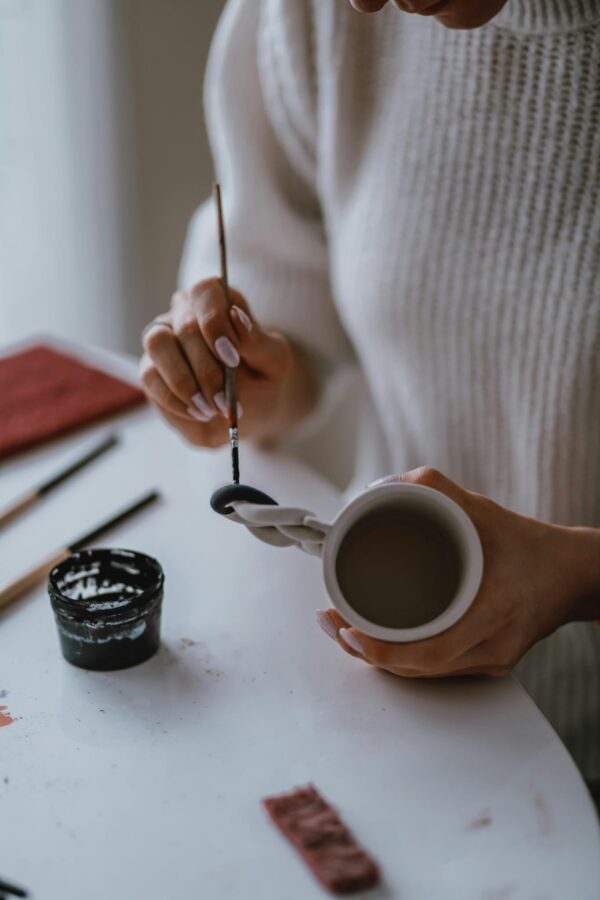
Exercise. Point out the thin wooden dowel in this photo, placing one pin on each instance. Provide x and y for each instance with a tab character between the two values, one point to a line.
40	571
222	245
230	385
27	582
18	506
31	497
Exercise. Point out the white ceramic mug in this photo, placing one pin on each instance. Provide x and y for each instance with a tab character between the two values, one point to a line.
436	507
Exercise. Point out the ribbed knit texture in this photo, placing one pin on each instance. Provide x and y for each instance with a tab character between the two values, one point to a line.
428	201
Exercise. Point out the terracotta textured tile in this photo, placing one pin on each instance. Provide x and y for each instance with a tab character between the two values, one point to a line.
44	394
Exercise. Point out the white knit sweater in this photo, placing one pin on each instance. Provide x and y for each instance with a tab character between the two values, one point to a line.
426	202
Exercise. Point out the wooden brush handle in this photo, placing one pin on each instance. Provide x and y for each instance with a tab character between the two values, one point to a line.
17	507
32	578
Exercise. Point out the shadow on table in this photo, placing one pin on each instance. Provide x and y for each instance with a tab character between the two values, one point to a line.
158	696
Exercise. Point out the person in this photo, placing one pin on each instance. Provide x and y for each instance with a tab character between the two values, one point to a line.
417	193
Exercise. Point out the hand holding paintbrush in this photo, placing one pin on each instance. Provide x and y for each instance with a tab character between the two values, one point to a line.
209	356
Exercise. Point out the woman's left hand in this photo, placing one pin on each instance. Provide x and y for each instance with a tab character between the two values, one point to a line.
533	575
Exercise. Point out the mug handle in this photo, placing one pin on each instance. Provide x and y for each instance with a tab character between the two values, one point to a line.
279	526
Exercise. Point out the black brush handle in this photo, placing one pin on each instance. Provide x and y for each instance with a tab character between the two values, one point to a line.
146	500
83	461
235	455
38	573
7	888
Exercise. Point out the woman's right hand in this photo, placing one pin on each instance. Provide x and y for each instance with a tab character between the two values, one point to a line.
182	371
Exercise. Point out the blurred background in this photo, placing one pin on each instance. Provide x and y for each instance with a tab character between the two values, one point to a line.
103	158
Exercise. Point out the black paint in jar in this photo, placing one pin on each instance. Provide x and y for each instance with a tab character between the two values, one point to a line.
107	606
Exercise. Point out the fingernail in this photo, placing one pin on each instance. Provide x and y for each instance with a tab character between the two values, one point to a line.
196	414
349	638
389	479
243	317
204	407
327	624
221	402
227	352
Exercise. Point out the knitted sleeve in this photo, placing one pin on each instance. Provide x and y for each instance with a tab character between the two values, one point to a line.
261	114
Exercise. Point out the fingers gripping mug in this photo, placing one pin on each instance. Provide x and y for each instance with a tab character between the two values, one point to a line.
401	562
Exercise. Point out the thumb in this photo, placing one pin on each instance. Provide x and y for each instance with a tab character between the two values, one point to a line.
428	477
267	352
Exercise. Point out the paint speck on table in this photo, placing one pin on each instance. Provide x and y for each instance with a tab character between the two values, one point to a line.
3	693
184	643
499	893
5	718
215	672
483	820
544	816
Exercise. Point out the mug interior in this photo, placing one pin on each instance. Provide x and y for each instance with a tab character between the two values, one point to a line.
402	562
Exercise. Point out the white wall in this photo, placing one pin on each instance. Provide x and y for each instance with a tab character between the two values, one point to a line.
65	210
102	159
168	43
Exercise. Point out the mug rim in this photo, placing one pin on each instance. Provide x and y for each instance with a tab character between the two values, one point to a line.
458	606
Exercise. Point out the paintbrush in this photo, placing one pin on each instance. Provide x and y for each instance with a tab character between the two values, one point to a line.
230	386
30	498
40	572
6	888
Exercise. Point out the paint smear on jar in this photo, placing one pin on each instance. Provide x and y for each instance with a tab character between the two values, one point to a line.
5	719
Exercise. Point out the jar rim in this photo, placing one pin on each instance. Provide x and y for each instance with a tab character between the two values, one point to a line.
148	568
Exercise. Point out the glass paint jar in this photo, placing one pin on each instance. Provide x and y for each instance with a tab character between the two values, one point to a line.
107	606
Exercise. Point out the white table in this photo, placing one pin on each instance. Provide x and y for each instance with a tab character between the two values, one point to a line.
145	784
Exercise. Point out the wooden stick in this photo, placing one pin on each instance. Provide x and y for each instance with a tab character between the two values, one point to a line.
39	572
18	506
32	578
230	385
